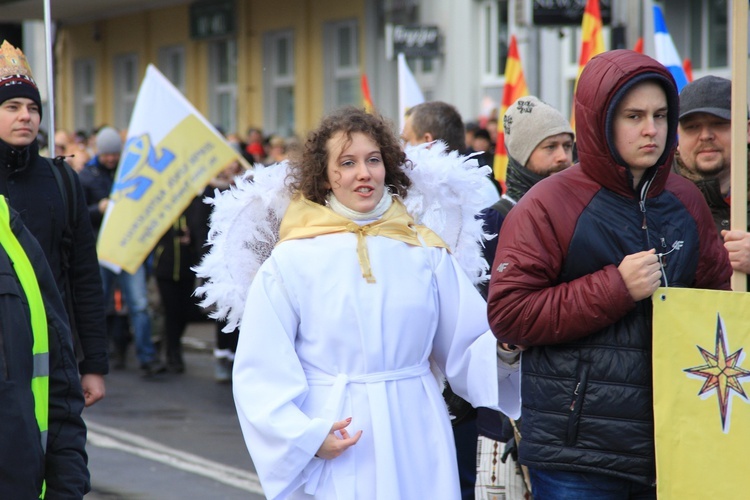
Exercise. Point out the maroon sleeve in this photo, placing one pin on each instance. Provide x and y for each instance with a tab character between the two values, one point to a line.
526	304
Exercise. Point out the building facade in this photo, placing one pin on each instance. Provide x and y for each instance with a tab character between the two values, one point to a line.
281	65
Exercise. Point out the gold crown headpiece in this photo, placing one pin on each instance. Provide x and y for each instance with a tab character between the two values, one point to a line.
13	62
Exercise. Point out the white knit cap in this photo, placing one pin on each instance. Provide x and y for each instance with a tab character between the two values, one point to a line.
529	121
108	141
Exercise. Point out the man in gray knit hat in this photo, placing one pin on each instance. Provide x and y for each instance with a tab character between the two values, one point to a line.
539	141
704	156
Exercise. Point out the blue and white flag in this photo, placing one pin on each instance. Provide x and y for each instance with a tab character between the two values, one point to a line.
666	52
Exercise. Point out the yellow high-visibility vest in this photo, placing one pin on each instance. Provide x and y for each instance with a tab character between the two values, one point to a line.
40	351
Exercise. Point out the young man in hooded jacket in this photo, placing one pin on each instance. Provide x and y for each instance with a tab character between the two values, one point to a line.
578	260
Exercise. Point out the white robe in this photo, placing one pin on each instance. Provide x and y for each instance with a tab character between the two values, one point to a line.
319	344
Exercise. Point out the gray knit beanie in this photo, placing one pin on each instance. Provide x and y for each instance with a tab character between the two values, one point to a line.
529	121
108	141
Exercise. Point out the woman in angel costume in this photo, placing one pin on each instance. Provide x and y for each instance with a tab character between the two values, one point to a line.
355	305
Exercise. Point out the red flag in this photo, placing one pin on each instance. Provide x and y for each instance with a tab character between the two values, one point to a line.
515	87
639	45
366	99
687	66
592	42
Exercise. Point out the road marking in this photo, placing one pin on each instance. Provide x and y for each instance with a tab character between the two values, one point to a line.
108	437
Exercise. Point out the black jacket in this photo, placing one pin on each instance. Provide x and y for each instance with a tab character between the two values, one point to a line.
97	182
174	257
711	191
24	463
27	181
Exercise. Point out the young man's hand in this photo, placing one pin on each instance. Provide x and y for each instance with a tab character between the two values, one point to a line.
641	273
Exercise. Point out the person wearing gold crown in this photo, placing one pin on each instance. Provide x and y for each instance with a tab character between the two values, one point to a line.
29	183
351	311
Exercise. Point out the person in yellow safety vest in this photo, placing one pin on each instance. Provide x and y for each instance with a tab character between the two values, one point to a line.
41	400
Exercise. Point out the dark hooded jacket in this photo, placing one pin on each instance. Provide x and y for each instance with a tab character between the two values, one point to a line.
24	462
711	190
586	379
27	181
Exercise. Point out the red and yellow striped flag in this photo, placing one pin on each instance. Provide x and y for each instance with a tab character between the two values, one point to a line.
592	43
366	99
515	87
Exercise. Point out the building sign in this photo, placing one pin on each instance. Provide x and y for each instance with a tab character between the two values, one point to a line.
416	41
567	12
211	19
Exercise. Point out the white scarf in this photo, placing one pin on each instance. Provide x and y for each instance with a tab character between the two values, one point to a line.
374	214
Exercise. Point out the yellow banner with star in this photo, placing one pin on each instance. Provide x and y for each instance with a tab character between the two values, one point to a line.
701	380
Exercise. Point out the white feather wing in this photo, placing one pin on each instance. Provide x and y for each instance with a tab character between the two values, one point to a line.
244	228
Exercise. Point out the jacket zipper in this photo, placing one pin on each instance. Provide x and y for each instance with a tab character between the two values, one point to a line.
642	205
579	393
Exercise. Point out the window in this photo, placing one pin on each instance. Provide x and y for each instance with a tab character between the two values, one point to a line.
342	65
222	88
278	54
126	88
494	36
84	98
700	31
709	34
172	65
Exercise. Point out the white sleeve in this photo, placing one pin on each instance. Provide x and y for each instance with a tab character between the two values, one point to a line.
269	383
464	347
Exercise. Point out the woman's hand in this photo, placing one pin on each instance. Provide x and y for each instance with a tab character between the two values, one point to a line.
333	446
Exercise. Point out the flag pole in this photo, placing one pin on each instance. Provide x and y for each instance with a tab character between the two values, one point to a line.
50	79
738	211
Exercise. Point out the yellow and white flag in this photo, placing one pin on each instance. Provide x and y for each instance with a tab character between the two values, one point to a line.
170	155
701	408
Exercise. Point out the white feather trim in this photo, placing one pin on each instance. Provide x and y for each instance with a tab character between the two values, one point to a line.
447	194
244	226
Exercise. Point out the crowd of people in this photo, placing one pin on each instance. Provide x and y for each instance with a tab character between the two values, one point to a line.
371	360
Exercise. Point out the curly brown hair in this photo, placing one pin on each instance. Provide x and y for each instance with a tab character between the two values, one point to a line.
308	173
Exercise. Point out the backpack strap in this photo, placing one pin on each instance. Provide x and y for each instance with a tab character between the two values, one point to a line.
504	205
66	184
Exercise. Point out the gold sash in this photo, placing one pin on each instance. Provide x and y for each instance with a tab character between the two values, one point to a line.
306	219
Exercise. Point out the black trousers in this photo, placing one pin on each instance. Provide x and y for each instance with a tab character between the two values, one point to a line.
179	309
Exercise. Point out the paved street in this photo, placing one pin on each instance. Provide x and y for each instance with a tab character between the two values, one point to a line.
169	437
